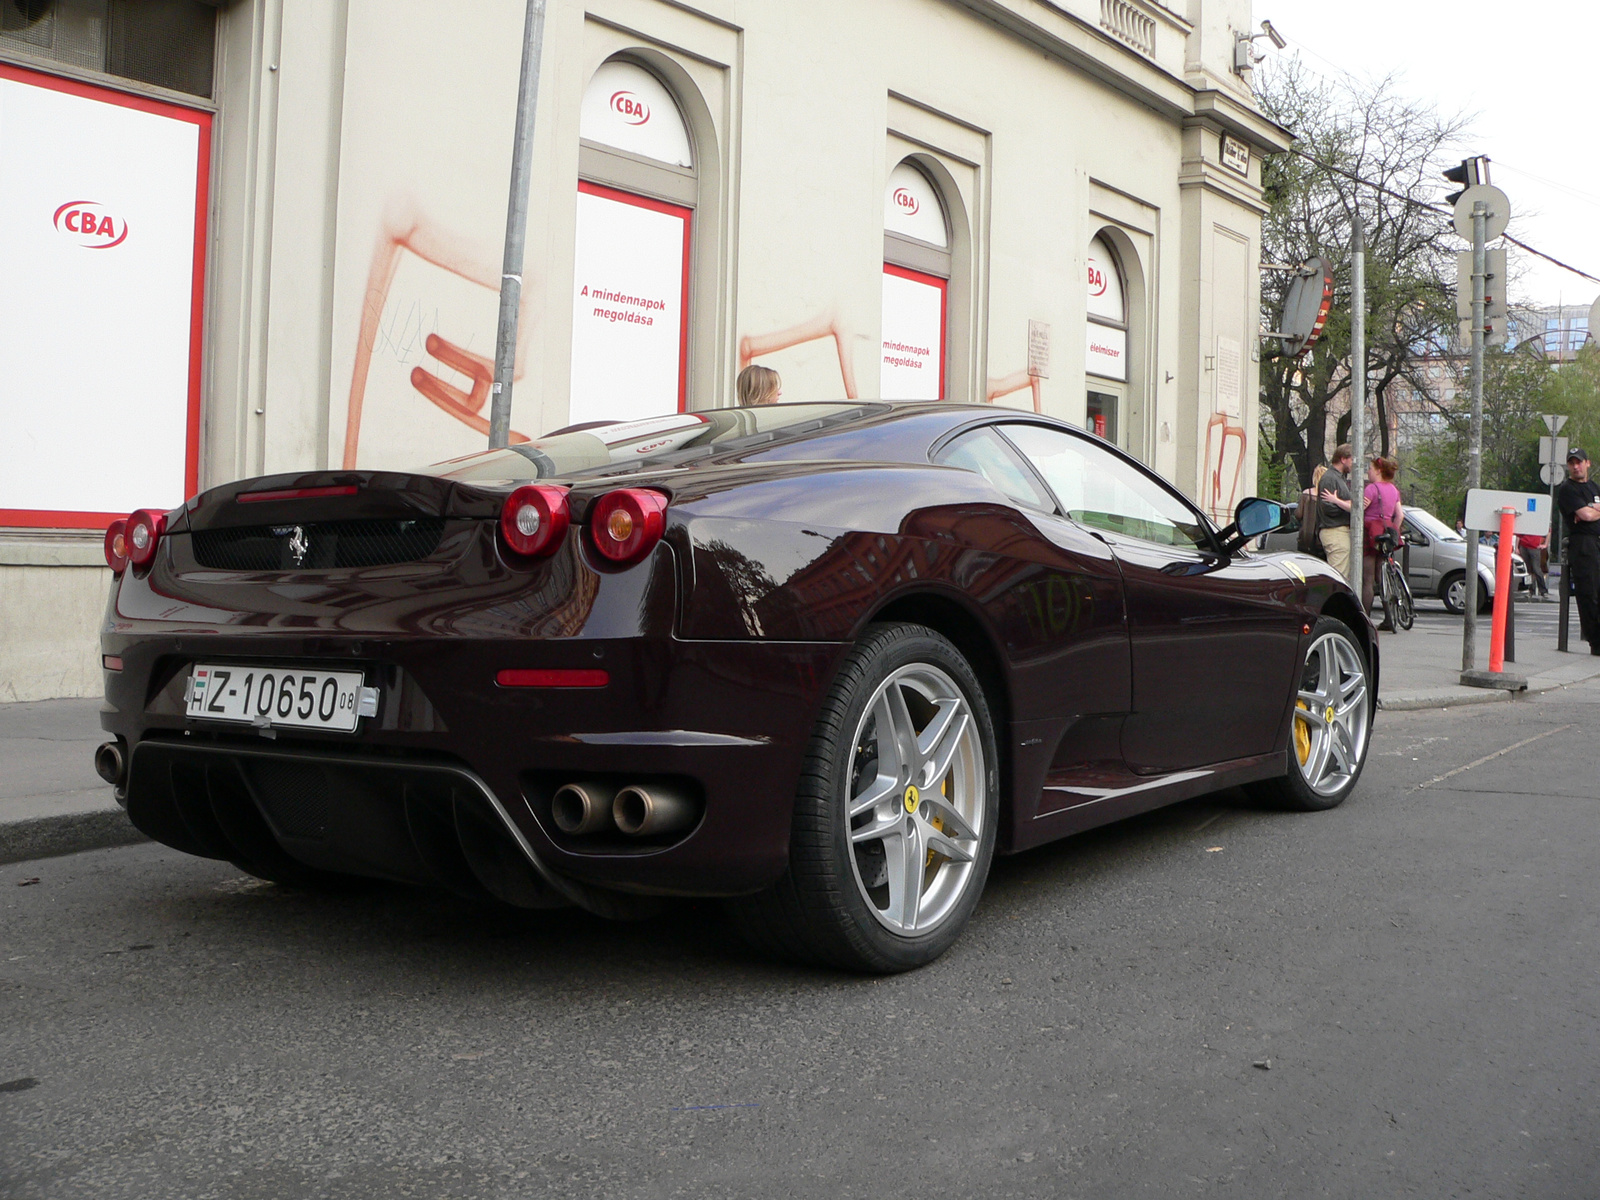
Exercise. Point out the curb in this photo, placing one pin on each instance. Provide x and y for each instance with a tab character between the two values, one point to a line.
69	833
1455	697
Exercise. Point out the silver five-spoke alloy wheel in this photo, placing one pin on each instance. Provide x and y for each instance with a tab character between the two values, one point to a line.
1332	715
916	807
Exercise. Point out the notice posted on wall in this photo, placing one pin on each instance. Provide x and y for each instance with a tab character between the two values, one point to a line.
629	293
100	245
913	336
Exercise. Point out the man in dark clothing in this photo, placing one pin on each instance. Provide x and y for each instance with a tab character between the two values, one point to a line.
1333	499
1578	498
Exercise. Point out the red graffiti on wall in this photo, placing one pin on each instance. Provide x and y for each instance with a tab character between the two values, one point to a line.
404	227
754	346
1015	382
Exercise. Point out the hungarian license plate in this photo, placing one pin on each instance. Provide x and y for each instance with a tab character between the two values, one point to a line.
280	697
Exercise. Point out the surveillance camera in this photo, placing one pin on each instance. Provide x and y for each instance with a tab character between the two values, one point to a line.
1277	38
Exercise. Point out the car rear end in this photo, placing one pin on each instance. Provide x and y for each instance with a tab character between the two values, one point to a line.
396	674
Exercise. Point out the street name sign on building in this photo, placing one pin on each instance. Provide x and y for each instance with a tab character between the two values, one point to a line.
1484	507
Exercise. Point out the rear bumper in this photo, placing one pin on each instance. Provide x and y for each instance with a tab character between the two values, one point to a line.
449	750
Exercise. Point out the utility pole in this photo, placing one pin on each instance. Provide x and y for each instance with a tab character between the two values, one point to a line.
1358	400
1469	628
505	341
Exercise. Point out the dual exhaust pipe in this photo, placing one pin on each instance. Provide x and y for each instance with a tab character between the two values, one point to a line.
638	810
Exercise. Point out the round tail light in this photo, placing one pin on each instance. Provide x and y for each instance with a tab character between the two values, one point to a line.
627	523
143	531
534	519
117	546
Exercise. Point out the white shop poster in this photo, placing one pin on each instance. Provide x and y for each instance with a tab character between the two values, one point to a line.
102	235
913	335
630	340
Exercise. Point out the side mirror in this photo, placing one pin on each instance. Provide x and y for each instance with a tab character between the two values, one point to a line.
1251	519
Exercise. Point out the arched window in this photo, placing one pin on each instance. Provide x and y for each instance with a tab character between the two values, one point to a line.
916	287
1106	358
636	199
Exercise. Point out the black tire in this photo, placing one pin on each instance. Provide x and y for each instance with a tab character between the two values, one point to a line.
1292	790
1453	605
820	911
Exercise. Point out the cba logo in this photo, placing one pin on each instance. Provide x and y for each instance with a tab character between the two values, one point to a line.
90	225
906	202
1097	280
630	108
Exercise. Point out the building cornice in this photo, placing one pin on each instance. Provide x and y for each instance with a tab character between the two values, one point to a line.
1225	114
1083	45
1065	36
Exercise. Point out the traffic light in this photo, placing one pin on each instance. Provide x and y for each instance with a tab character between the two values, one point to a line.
1470	173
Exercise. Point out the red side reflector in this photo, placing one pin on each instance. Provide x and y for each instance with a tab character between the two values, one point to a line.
348	489
111	662
554	679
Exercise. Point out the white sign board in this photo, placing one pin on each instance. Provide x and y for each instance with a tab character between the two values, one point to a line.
1484	508
913	336
912	208
1106	353
628	108
629	291
1105	284
102	235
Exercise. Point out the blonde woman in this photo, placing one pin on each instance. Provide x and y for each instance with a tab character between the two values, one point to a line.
758	386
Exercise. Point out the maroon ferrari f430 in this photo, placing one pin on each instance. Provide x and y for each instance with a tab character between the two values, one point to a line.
821	660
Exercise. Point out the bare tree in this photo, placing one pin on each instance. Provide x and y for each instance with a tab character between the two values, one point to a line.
1351	136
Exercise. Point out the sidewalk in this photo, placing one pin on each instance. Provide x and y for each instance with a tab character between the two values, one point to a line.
52	802
1421	668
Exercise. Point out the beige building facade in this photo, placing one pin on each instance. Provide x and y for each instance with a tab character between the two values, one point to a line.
1049	205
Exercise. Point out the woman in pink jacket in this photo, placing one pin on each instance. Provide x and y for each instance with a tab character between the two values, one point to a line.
1381	511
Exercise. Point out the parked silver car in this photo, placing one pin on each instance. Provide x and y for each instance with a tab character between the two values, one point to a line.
1438	560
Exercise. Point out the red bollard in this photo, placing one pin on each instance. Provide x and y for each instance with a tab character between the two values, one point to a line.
1502	588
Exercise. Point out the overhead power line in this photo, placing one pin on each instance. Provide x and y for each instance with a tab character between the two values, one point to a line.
1435	208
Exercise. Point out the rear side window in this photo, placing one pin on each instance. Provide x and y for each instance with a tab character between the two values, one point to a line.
982	451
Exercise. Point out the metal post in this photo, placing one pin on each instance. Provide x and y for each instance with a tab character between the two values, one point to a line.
1469	626
1562	610
505	342
1358	399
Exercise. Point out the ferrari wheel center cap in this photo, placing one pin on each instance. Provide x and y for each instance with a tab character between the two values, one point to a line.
1331	714
913	798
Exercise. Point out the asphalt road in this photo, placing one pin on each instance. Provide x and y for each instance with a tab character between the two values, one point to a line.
1398	997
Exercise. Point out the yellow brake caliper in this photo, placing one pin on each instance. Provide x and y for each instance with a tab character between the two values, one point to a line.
936	820
1302	735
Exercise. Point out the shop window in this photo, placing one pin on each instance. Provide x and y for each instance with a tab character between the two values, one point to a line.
636	201
1106	356
166	43
916	287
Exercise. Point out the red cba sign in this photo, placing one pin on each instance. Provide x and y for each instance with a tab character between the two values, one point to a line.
906	202
630	108
96	230
1097	281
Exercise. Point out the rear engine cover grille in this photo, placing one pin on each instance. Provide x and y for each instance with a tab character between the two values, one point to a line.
295	796
321	546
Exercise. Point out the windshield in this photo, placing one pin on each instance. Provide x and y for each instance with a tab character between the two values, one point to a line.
1432	526
654	442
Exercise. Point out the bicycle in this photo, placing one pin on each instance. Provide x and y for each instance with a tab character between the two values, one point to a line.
1399	609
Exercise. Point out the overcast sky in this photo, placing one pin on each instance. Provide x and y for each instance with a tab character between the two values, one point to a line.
1530	73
